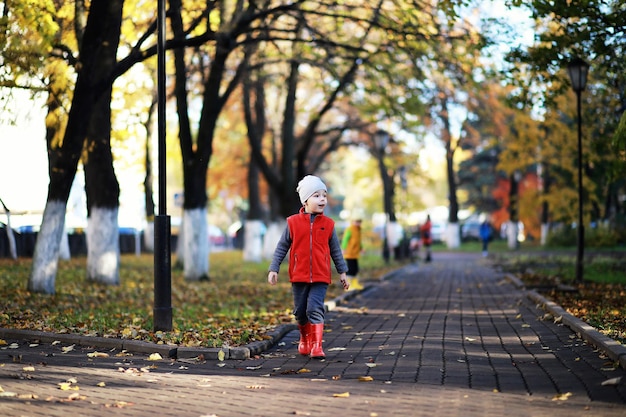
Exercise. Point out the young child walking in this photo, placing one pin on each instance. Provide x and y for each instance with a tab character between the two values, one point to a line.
352	247
311	241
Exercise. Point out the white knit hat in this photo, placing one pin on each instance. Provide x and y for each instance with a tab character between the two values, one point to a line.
308	186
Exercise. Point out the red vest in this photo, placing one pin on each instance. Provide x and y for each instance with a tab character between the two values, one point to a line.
309	256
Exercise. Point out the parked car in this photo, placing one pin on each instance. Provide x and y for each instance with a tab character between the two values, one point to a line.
438	232
470	230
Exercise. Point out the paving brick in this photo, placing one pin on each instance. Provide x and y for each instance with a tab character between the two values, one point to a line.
453	337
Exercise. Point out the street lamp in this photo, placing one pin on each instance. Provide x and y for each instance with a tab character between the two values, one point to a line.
577	70
381	140
162	310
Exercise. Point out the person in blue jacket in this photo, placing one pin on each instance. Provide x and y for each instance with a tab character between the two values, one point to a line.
485	236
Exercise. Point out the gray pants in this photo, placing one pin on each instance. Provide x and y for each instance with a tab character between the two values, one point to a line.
308	302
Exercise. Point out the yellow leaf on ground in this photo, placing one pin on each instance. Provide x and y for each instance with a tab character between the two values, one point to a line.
28	369
98	355
66	386
101	384
3	342
303	371
342	395
155	357
562	397
221	355
366	378
67	349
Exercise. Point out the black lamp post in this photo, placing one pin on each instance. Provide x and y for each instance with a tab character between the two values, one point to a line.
381	140
577	70
162	225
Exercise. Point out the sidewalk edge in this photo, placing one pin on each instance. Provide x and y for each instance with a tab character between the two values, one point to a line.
613	349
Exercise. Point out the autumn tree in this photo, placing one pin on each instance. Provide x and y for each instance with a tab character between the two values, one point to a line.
593	31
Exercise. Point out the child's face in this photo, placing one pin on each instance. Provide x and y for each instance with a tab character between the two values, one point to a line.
316	203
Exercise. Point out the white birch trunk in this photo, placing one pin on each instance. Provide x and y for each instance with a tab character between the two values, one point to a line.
511	234
272	236
103	246
195	241
253	241
453	235
148	237
180	247
46	256
11	238
64	249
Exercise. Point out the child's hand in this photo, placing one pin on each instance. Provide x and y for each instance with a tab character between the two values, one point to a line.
344	281
272	277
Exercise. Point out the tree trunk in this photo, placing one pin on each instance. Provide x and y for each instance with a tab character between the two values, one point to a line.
148	181
453	239
103	190
513	228
100	37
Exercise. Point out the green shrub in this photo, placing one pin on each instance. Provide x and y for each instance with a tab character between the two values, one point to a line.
601	236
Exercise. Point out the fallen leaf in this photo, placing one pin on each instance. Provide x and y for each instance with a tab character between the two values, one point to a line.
366	378
66	386
303	371
33	345
342	395
101	384
28	369
75	396
612	381
67	349
98	355
562	397
155	357
221	355
119	404
469	339
370	365
3	342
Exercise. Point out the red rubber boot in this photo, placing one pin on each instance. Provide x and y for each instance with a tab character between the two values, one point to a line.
304	345
316	336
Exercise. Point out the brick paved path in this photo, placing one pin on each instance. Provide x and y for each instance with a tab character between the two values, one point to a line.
452	338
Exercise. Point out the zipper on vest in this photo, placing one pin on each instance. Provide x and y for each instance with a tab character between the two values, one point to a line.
311	249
